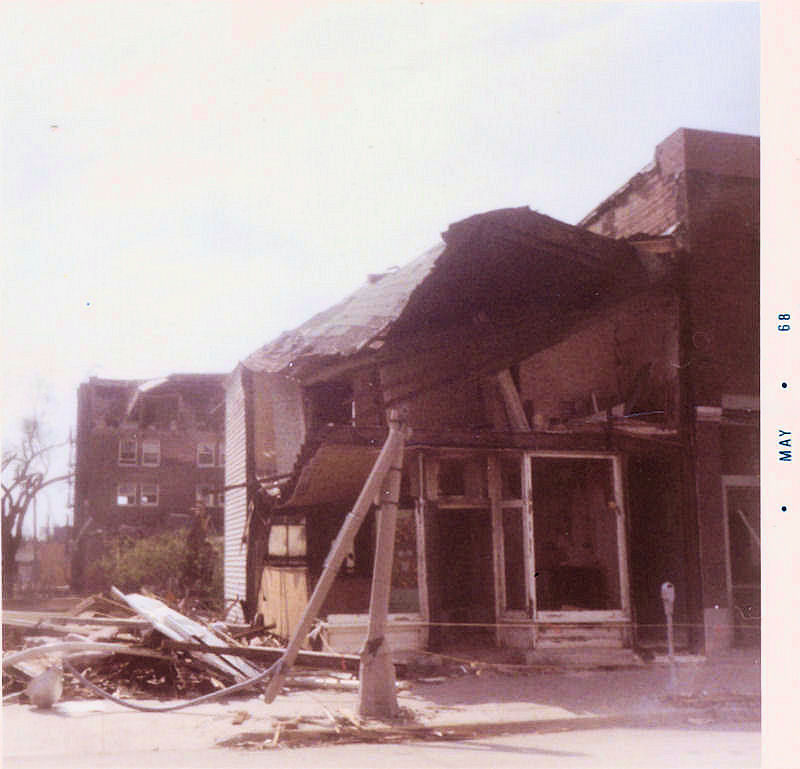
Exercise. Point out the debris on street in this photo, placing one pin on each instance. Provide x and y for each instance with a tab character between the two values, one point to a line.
136	646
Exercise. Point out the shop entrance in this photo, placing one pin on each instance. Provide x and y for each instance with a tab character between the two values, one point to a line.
578	535
464	600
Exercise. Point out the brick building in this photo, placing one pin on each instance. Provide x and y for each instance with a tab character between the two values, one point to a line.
147	451
703	188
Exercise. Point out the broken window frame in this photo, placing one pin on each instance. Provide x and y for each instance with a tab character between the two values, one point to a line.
330	403
507	495
460	478
742	623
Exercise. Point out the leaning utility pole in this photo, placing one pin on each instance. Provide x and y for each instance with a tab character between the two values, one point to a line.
377	692
374	490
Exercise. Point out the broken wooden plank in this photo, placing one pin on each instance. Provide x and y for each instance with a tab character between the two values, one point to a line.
513	403
269	654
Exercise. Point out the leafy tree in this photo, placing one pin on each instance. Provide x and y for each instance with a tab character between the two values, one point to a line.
185	564
25	474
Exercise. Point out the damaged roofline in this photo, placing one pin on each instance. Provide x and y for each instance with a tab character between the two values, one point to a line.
441	285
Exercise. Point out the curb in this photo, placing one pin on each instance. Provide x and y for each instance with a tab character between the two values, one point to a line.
383	732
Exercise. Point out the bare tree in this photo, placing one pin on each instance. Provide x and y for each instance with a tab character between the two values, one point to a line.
25	474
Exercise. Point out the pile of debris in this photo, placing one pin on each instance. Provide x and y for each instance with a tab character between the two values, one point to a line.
137	647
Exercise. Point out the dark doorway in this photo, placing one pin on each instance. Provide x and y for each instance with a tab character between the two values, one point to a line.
575	525
464	601
657	547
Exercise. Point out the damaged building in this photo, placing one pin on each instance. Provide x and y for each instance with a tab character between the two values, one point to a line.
146	453
582	405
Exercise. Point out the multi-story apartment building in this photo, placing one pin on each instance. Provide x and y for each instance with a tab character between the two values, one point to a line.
147	453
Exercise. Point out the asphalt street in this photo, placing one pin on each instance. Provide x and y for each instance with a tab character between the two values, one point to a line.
728	747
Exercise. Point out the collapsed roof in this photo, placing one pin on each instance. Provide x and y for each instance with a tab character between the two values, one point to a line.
488	267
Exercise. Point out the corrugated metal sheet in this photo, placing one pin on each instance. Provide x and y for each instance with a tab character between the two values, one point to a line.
235	577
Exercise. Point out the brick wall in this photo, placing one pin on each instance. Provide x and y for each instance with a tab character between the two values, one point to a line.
650	203
177	476
723	284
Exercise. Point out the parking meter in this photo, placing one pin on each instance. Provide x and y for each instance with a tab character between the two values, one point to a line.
668	597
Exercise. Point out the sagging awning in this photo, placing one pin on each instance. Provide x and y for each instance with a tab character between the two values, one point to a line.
335	474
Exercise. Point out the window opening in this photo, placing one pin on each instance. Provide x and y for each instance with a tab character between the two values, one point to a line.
205	455
514	559
127	451
126	494
149	494
151	452
331	403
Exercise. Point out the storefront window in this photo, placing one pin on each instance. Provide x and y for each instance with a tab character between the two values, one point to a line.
575	534
511	477
404	596
514	559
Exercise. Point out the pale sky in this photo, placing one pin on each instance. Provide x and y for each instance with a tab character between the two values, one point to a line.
183	181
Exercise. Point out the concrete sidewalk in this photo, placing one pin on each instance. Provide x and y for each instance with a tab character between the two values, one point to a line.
722	690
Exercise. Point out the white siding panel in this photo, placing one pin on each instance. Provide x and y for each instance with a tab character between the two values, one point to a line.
235	569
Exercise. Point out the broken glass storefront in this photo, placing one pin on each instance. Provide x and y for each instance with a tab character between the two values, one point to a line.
576	542
518	543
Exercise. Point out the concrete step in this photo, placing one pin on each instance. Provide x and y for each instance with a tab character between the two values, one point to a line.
583	657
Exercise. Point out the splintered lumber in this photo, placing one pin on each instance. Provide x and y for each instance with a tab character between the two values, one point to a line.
269	654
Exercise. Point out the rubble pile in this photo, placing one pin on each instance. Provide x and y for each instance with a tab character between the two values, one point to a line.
137	647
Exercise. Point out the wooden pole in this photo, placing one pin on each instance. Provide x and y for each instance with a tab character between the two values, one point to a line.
341	546
514	408
377	686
